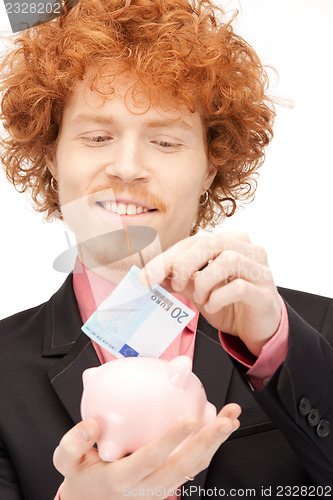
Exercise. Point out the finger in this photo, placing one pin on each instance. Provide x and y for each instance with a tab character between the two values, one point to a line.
197	453
228	266
243	291
238	235
160	267
74	446
221	249
181	262
231	410
150	457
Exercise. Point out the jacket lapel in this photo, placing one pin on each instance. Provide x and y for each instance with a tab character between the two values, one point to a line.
211	363
213	367
63	338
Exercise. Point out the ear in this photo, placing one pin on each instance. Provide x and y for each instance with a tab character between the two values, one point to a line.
50	161
179	371
211	172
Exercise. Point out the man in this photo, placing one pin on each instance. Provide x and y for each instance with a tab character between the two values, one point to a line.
154	114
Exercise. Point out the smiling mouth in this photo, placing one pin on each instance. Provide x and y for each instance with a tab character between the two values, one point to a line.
124	208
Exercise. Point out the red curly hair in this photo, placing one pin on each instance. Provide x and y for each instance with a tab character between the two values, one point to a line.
182	49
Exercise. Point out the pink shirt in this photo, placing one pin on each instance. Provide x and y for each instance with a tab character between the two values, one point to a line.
272	354
90	291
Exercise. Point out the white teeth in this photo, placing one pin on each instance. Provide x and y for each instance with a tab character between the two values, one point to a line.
110	205
123	208
131	209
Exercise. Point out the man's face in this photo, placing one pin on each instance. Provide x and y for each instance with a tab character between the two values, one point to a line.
125	165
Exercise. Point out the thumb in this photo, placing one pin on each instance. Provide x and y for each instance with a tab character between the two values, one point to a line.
74	445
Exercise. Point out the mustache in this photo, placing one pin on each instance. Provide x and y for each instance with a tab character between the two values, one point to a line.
138	193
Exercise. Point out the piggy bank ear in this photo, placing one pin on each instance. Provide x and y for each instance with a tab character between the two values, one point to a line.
87	374
179	371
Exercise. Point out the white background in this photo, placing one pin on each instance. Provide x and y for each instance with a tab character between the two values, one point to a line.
291	215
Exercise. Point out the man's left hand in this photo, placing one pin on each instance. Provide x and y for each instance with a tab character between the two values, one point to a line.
228	279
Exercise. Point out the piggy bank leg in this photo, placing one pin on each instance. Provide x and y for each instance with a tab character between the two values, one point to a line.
110	451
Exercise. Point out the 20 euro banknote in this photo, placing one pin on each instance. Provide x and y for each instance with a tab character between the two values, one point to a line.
137	321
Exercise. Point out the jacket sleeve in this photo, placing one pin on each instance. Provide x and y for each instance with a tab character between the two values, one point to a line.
9	484
299	398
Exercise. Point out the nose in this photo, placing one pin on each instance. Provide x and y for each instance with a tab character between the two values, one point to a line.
127	162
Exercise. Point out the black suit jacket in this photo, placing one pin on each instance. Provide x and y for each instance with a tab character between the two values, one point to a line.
43	355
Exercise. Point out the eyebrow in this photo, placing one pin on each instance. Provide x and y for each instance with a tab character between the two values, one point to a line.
109	120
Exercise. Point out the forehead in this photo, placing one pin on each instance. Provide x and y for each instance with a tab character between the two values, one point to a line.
124	96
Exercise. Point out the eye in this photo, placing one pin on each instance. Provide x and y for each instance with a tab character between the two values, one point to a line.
101	138
168	145
165	144
98	139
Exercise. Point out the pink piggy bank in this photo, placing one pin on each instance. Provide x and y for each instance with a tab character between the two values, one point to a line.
136	399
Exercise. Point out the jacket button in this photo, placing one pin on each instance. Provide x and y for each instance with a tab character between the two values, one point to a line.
323	428
304	406
314	417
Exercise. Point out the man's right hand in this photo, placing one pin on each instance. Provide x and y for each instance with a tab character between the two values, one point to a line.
152	467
